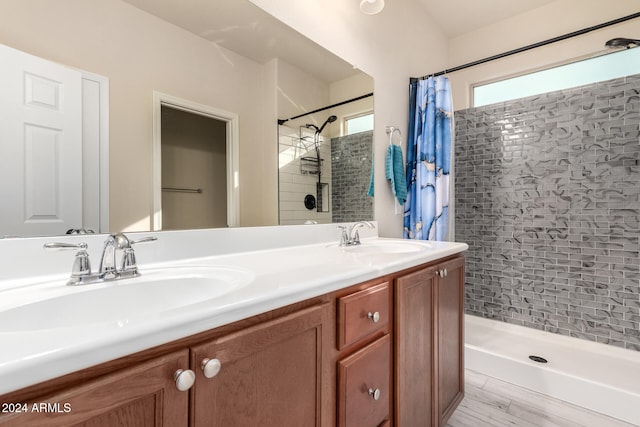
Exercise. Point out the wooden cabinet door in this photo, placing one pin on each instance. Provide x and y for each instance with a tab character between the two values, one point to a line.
270	375
450	339
414	347
144	395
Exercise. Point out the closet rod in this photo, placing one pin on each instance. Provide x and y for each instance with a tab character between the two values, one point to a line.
528	47
182	190
358	98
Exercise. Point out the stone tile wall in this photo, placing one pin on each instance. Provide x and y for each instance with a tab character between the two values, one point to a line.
547	197
350	175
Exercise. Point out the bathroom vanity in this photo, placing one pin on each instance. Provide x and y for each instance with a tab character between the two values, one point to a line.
322	335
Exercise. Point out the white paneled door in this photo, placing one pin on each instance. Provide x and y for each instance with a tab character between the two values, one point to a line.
40	146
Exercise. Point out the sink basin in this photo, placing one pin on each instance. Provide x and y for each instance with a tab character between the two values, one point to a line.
380	246
119	302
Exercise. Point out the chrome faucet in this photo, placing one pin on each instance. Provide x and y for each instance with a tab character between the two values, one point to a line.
107	268
81	273
128	267
350	235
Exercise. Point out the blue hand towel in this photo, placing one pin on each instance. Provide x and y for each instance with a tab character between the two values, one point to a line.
394	171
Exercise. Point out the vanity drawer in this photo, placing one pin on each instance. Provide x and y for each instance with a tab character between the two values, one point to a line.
362	313
364	381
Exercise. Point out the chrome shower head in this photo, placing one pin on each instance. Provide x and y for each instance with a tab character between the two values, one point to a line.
621	42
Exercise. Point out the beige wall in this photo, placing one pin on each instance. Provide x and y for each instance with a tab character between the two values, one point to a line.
141	54
551	20
351	87
299	92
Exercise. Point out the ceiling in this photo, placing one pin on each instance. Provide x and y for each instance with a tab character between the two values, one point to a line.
242	27
457	17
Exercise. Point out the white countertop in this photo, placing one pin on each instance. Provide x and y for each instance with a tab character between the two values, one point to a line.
280	276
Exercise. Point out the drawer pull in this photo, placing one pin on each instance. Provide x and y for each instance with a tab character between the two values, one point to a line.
375	393
375	317
210	367
443	273
184	379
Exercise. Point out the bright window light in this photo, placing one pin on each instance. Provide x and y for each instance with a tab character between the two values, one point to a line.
605	67
360	123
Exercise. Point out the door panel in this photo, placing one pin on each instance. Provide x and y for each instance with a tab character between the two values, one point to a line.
450	337
414	335
40	146
143	395
270	375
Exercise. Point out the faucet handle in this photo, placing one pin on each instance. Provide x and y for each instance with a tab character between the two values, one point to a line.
128	266
143	240
344	236
81	265
123	242
65	246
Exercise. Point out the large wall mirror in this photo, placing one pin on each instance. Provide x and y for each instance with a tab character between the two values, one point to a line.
225	54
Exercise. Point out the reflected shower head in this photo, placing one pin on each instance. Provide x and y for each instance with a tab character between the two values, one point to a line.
621	42
331	119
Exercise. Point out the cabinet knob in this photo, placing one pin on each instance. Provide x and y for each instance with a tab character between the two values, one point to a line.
210	367
184	379
374	393
375	317
443	273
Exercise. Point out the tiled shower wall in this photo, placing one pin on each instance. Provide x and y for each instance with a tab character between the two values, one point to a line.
350	176
547	197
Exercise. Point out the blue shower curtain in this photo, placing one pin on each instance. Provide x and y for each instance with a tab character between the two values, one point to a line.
426	214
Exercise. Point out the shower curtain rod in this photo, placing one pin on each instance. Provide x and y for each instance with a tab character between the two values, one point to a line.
528	47
358	98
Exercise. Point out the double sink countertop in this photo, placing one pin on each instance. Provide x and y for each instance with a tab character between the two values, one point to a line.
48	329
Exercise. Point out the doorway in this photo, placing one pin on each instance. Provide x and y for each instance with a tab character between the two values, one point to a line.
195	166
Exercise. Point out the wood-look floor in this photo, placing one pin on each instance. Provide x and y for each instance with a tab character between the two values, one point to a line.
491	402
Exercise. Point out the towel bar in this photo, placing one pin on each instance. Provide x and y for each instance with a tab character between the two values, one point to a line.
182	190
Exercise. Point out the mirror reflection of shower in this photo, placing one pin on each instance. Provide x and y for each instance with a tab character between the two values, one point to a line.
622	43
322	192
320	166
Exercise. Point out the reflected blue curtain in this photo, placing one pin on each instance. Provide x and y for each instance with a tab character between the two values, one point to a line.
426	214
